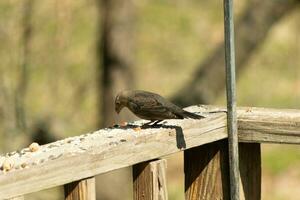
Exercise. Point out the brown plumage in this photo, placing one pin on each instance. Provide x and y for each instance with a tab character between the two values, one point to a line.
150	106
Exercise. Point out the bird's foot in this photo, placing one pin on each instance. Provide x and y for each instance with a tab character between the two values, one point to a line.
156	122
151	124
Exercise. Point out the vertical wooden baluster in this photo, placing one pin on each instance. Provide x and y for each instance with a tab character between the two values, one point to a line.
206	172
149	180
207	175
81	190
250	170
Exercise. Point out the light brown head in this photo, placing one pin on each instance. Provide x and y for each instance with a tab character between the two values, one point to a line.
121	100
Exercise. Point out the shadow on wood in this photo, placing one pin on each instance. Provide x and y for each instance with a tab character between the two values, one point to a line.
250	169
180	141
206	171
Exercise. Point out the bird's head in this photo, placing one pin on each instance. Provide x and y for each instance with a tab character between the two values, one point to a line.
120	101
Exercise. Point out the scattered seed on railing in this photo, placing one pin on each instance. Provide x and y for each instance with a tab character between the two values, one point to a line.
172	133
52	146
41	161
12	153
113	143
34	147
69	141
248	110
7	165
24	165
123	124
34	163
83	148
137	129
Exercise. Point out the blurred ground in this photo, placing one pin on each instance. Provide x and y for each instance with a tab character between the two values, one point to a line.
172	38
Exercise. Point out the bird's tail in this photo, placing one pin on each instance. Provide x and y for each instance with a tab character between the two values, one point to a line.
192	115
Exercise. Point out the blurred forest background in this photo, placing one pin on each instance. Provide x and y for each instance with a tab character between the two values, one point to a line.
62	62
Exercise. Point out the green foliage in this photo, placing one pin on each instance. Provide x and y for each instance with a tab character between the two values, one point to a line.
279	158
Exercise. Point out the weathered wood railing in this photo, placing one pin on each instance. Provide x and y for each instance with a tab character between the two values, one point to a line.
74	161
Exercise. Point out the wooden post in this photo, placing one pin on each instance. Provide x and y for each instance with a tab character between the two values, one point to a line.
250	171
81	190
149	180
207	171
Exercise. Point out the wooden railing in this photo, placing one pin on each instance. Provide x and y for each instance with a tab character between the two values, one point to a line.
74	161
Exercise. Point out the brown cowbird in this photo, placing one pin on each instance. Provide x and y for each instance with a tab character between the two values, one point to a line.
150	106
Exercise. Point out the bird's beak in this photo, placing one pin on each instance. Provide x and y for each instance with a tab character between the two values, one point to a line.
118	109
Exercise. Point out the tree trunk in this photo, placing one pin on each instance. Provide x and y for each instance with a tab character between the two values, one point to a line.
20	93
114	71
115	51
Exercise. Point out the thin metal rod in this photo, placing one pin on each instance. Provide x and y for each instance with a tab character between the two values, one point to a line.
231	100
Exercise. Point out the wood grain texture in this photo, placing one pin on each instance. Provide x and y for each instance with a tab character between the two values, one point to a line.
269	125
81	190
149	180
206	172
87	155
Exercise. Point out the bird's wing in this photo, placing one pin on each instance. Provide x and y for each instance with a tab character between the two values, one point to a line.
151	107
148	104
